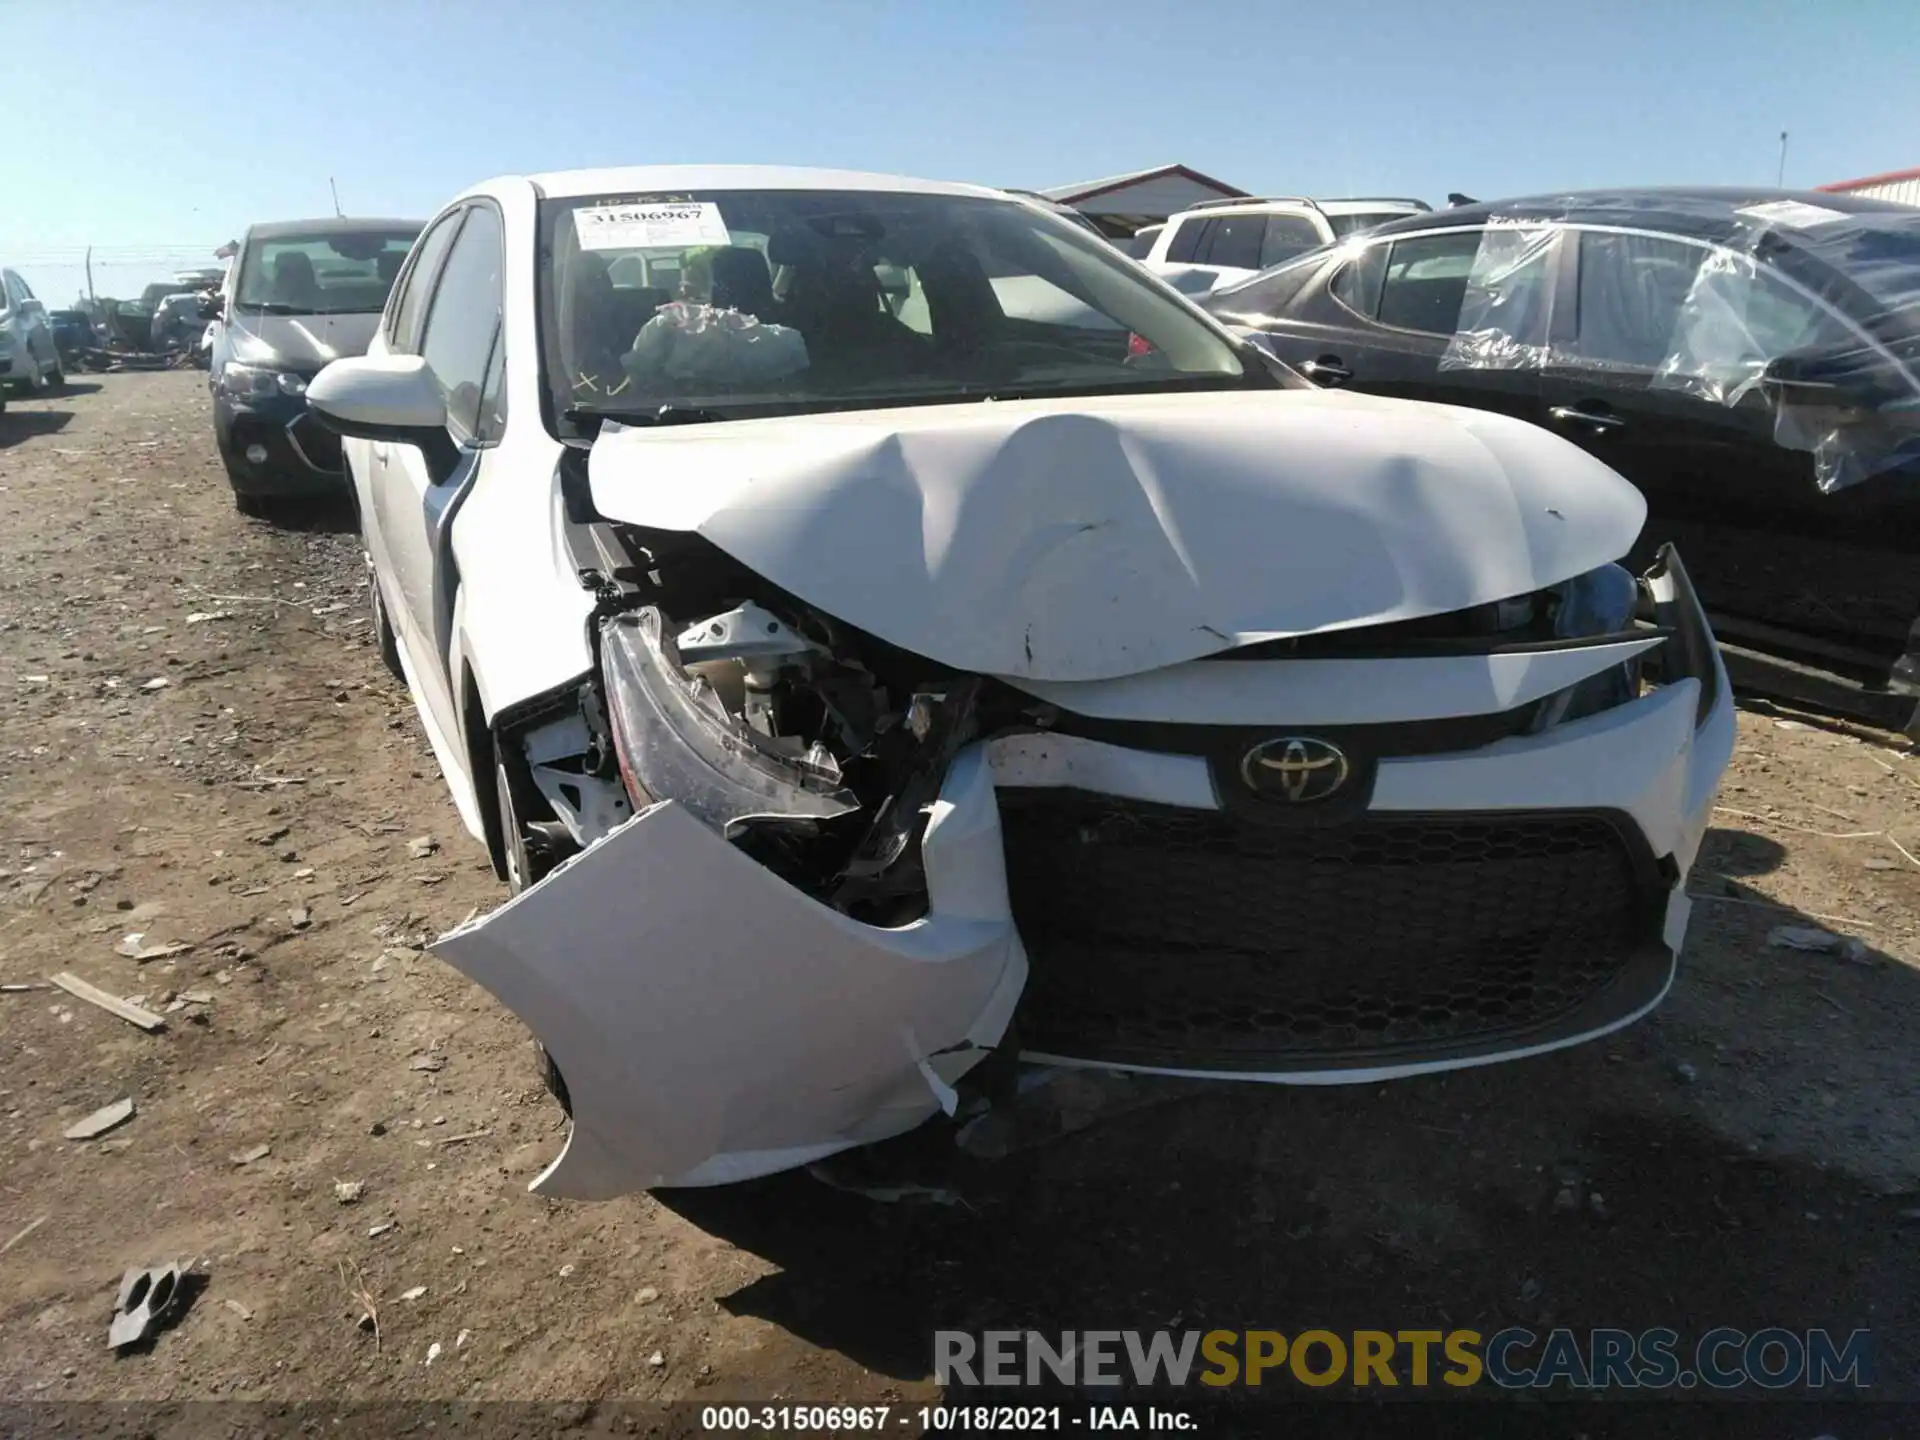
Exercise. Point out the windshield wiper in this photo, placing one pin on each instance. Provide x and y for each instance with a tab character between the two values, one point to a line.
267	307
660	415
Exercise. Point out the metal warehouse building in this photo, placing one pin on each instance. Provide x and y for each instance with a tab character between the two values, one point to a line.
1121	204
1900	185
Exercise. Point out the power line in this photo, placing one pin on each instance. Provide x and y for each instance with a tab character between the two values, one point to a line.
128	252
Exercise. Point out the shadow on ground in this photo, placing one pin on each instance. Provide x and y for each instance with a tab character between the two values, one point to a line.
18	426
310	516
1574	1189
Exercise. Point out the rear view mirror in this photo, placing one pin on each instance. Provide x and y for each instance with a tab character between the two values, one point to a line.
210	307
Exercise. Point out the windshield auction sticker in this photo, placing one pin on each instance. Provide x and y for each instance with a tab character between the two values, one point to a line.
674	225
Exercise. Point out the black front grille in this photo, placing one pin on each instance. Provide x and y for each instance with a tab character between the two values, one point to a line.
1196	939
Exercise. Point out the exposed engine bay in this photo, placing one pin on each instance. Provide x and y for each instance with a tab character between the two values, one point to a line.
813	747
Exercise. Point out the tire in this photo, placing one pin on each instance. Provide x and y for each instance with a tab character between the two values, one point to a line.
383	635
258	507
555	1082
524	866
58	379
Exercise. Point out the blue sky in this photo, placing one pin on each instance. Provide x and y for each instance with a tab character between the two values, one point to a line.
174	123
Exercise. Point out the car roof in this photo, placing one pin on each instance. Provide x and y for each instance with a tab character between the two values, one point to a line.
1705	212
1339	205
643	179
328	225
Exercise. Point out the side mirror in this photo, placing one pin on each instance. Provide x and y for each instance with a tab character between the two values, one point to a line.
383	397
388	398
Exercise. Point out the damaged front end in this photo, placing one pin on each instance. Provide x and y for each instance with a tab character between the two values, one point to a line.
773	921
789	873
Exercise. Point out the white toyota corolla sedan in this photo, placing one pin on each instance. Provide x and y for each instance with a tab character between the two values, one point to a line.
877	629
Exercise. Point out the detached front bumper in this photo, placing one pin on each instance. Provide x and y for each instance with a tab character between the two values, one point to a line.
713	1023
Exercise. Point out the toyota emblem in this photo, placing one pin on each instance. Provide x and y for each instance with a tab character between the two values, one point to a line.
1296	769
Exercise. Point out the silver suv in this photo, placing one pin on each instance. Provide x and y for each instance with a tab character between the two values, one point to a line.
1222	241
29	359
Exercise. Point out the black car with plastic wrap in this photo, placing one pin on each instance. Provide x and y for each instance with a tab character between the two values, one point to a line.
1746	358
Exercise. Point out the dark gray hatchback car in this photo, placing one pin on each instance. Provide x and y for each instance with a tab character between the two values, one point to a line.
300	294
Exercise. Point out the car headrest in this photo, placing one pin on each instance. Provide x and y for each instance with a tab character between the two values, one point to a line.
741	280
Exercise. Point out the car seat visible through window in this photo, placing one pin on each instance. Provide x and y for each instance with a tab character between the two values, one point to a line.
833	300
741	280
593	334
293	280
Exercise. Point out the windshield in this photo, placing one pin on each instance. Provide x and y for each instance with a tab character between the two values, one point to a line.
738	302
340	272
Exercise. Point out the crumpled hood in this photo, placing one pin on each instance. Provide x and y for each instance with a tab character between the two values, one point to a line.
1090	538
299	342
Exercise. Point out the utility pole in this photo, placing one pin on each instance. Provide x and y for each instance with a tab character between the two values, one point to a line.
336	192
93	300
1780	179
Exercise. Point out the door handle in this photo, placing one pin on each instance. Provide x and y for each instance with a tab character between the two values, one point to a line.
1327	370
1596	420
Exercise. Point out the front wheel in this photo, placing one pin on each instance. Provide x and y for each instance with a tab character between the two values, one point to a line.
383	635
526	863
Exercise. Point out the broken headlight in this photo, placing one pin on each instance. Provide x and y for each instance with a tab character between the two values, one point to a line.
676	740
1600	602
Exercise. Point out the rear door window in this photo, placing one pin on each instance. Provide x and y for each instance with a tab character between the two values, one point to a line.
1236	241
1426	279
1185	244
1357	286
1286	237
1632	291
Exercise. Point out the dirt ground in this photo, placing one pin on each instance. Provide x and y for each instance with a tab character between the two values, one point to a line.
198	746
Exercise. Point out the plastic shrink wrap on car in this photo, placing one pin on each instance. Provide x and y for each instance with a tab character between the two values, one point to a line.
1809	310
